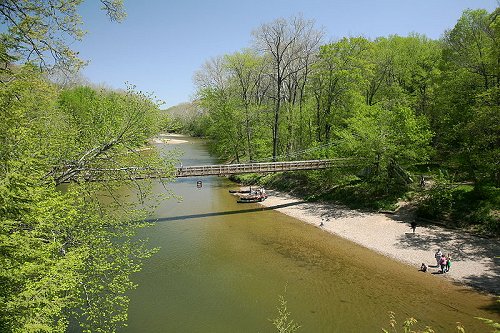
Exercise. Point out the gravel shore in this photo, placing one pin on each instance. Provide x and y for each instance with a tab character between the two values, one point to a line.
475	260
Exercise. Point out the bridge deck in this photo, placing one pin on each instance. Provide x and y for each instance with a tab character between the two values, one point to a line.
231	169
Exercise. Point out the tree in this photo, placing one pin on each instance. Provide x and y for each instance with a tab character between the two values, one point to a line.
379	78
391	138
248	71
338	72
469	97
37	31
287	44
230	90
111	124
415	69
473	45
66	254
216	96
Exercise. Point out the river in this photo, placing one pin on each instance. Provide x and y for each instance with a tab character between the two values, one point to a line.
222	266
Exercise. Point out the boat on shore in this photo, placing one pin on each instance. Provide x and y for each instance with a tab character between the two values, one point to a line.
249	196
252	198
239	191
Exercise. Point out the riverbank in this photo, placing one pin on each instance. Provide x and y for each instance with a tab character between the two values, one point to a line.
167	139
476	260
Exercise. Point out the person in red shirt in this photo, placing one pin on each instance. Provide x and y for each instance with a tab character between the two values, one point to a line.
442	263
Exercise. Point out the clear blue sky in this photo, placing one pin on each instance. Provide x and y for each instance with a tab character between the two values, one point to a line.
162	43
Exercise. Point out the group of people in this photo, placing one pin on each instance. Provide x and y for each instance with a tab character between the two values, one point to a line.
442	261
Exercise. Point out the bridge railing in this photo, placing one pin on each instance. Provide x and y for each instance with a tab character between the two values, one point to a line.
229	169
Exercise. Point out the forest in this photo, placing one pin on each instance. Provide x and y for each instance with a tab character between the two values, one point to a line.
406	108
67	246
420	116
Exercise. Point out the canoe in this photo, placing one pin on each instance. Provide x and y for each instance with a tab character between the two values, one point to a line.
239	191
252	198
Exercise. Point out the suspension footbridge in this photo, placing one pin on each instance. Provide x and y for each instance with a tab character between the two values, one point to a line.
267	167
137	173
80	173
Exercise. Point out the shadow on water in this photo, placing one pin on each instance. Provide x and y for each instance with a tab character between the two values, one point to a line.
231	212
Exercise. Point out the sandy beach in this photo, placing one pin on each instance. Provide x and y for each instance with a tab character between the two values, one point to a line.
475	260
167	141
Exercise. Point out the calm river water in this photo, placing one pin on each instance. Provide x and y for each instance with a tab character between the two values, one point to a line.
222	266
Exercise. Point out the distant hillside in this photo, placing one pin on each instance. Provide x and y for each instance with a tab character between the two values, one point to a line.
185	118
183	111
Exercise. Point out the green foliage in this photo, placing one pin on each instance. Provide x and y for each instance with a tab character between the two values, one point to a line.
462	205
394	103
66	253
364	195
469	99
337	75
491	323
282	322
408	325
39	31
224	126
230	115
297	183
438	202
106	116
110	127
390	138
62	255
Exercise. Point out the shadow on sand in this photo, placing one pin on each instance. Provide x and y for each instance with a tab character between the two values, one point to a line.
462	246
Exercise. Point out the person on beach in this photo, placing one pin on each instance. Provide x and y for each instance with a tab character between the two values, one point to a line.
438	256
448	262
442	263
423	268
413	226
